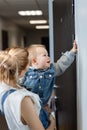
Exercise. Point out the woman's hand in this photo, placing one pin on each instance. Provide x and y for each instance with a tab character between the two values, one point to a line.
52	125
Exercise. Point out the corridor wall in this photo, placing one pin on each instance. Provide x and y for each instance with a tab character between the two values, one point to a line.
81	37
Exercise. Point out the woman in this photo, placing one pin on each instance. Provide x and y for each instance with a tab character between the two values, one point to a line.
21	108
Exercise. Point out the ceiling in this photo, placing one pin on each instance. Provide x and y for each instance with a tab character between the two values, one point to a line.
9	10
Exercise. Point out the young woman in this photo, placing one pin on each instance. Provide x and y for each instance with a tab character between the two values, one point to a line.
21	108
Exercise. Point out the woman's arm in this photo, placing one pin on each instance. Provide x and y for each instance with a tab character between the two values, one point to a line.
52	125
30	117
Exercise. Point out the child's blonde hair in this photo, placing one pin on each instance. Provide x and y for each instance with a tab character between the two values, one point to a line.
32	49
12	62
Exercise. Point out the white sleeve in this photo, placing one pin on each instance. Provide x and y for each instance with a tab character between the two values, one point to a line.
14	103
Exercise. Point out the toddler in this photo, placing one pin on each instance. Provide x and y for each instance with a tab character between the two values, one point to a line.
40	77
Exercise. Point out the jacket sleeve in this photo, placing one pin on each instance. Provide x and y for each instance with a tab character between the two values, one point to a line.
64	62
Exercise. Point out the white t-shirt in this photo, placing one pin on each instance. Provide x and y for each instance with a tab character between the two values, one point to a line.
12	106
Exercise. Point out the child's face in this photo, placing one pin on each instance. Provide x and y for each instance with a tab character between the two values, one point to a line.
42	58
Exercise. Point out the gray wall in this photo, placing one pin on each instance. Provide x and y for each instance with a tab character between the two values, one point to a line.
81	37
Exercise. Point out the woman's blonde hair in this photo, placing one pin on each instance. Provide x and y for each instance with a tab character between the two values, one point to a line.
32	49
12	62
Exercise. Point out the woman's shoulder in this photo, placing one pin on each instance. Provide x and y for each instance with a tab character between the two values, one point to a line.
17	97
23	92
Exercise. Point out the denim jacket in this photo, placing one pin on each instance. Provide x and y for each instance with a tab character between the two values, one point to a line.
42	81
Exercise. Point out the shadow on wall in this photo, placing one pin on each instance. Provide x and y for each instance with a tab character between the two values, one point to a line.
3	125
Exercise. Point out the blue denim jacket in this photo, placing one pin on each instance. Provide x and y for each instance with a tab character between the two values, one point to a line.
40	82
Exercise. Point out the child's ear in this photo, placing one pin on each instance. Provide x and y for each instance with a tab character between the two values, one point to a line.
33	61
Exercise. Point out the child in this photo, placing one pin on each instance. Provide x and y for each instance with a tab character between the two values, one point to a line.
40	77
20	107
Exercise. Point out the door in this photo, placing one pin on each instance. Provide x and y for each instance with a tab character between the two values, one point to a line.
63	23
4	39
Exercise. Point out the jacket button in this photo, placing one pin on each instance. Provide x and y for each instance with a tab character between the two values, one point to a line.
41	76
39	86
50	75
31	77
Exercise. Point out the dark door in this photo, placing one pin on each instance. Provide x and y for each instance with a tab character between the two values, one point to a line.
45	41
4	39
63	19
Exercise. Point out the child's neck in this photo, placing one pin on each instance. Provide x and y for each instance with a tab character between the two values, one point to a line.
37	67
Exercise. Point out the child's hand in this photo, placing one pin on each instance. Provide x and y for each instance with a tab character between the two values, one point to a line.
47	108
74	49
